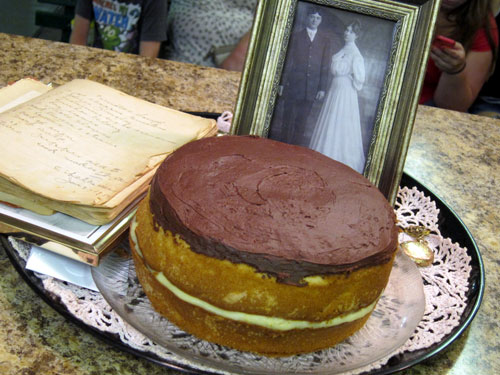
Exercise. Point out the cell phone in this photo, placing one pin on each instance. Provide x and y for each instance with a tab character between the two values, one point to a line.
443	42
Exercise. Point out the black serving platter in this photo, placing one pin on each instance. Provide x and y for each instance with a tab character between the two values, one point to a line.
450	226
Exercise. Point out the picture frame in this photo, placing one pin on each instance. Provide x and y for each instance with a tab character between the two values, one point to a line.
375	76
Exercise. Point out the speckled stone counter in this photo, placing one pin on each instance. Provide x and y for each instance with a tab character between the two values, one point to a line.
189	88
457	156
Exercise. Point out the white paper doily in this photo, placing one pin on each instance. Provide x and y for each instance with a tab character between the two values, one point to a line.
445	288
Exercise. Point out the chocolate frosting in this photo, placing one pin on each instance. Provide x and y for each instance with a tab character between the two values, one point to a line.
286	210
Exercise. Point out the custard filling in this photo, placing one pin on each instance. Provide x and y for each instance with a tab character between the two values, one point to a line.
269	322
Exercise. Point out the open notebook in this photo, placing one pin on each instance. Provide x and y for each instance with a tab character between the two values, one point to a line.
82	152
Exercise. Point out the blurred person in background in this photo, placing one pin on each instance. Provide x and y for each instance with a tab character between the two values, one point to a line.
133	26
211	33
488	101
456	73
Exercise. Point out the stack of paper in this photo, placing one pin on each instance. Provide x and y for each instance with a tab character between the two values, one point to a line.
84	150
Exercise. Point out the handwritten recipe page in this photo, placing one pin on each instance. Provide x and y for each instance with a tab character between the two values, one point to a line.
84	142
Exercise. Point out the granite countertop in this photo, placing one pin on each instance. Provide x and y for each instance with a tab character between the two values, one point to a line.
455	155
189	88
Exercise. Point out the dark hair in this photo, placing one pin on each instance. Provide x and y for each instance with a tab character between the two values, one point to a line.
313	10
469	18
355	26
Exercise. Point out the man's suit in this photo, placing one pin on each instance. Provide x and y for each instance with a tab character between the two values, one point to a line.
306	72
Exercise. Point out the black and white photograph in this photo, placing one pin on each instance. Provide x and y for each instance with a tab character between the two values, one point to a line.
339	77
331	82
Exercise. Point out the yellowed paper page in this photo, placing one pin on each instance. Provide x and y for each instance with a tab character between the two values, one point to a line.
84	142
21	92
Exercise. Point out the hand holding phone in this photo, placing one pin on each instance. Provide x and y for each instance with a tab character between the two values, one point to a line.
443	42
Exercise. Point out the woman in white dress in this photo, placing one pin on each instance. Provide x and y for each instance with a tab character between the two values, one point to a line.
338	130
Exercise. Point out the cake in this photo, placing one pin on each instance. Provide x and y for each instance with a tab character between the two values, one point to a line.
262	246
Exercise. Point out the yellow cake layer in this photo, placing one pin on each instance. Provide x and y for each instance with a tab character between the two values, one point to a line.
274	323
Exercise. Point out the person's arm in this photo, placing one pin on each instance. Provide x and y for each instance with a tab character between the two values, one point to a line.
462	76
149	48
236	60
358	72
154	27
80	31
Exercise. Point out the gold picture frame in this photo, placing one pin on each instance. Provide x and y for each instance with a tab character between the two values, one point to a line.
393	46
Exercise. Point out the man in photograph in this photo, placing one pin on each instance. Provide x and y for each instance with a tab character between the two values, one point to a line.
305	75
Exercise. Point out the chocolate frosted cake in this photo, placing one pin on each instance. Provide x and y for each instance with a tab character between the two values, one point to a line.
263	246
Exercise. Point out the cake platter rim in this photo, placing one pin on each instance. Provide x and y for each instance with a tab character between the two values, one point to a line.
402	362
